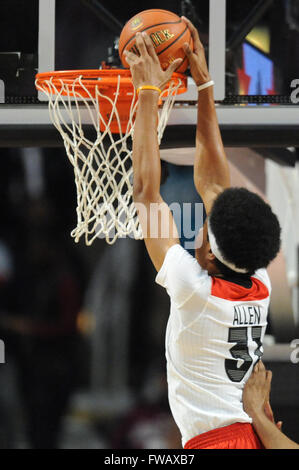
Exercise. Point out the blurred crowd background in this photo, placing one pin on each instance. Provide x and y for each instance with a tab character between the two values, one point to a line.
83	327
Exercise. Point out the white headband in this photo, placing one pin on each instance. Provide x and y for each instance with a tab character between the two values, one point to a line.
216	251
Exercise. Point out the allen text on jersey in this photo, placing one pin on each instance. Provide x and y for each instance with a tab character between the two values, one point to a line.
247	315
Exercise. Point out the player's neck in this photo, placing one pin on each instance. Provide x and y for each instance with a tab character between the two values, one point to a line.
214	271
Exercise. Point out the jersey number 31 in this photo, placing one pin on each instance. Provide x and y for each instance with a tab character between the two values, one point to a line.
240	351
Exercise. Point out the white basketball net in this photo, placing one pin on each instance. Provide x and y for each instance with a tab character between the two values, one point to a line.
102	162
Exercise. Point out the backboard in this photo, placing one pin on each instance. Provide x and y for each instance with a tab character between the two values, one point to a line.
250	47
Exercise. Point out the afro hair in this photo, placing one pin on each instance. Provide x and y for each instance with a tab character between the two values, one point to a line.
246	229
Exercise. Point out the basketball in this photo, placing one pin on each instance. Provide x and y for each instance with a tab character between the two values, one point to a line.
167	31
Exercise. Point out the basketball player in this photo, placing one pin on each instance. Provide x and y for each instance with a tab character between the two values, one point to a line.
220	299
256	404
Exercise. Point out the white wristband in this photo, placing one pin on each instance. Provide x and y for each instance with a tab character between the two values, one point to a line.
206	85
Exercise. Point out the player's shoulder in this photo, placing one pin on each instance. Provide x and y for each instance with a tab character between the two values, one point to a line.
183	277
178	255
263	276
180	265
185	260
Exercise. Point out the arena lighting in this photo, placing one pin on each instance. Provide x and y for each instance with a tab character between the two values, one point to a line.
257	75
260	38
248	24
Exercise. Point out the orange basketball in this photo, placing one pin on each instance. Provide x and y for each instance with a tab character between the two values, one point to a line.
167	32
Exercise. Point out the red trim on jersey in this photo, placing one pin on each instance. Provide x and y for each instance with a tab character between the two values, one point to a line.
231	291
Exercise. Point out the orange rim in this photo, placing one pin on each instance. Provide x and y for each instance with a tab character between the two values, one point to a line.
85	83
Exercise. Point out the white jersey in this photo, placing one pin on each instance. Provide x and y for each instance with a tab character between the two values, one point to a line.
213	339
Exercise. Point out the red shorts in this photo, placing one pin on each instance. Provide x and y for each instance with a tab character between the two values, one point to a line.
235	436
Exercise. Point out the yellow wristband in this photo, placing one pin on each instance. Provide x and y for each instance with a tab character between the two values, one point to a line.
149	87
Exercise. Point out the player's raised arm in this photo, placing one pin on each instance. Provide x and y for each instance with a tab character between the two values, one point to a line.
156	219
211	171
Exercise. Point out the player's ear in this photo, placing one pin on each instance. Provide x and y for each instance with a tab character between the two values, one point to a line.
211	256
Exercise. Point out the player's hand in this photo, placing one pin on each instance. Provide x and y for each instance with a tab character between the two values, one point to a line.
197	59
146	68
257	390
256	393
269	413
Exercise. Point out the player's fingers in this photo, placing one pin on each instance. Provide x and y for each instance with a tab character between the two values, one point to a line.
279	425
268	382
269	377
174	65
150	47
131	58
256	367
172	68
187	49
262	374
190	25
261	365
194	33
268	410
141	44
